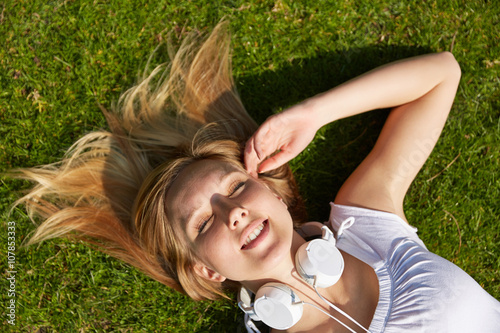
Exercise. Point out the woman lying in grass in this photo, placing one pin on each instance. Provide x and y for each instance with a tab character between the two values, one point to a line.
187	188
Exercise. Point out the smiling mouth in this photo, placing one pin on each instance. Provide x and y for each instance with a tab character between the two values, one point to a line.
254	234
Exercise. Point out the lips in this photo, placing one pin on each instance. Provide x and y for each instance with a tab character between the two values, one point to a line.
253	233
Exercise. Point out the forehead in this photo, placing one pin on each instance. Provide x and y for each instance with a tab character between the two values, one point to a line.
183	194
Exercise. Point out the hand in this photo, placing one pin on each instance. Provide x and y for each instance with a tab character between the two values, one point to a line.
279	139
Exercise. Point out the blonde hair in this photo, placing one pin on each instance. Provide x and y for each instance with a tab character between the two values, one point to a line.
109	189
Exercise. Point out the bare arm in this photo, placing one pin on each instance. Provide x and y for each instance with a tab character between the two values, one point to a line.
420	90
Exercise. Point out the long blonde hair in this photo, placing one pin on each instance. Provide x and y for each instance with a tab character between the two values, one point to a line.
109	189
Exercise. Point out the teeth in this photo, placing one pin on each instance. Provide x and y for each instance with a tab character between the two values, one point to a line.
254	234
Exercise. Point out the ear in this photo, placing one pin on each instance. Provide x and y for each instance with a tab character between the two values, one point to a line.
281	200
208	273
276	195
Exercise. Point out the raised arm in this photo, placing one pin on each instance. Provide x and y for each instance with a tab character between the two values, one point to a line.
420	90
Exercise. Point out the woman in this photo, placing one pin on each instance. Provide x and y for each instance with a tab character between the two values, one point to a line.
166	190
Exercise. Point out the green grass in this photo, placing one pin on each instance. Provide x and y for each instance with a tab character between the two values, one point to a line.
59	58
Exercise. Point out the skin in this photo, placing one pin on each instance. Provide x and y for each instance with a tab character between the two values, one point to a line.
419	91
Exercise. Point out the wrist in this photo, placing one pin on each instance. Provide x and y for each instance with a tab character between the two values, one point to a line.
317	111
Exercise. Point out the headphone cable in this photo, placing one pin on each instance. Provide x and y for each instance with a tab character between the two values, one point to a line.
338	309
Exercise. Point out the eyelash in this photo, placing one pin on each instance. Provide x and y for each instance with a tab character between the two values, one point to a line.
204	224
233	189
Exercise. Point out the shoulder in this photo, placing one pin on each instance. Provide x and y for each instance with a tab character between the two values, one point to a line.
341	212
368	234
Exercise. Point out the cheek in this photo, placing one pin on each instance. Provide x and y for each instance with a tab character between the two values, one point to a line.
262	194
213	248
266	200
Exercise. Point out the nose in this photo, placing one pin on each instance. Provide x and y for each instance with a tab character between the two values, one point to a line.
232	212
236	216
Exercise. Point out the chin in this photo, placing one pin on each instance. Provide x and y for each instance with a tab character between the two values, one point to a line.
279	254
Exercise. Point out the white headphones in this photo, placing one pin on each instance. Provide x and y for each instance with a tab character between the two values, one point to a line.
318	262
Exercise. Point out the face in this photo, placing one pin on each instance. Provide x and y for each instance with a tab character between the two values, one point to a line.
236	225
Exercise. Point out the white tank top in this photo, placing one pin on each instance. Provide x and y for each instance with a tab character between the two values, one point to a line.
419	290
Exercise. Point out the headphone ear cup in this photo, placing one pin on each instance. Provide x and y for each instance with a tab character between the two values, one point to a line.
278	306
319	259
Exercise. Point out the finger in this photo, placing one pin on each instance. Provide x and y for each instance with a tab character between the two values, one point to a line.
275	161
250	158
256	147
261	141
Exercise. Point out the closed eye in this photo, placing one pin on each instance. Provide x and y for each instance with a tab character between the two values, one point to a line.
235	188
204	223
